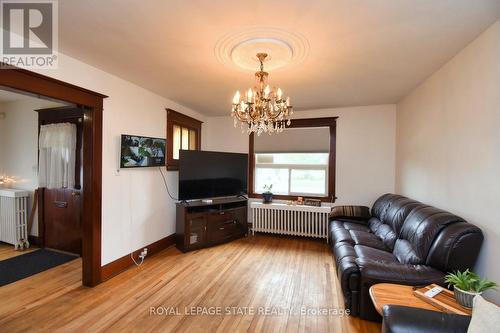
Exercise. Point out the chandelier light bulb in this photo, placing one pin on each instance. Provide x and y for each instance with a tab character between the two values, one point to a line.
279	93
267	91
249	95
236	98
288	101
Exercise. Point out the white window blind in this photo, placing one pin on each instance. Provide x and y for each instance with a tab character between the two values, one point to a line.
294	140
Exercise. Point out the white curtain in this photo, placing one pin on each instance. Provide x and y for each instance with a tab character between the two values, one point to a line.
57	146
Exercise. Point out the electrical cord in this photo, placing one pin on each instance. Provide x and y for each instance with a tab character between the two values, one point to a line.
166	186
135	262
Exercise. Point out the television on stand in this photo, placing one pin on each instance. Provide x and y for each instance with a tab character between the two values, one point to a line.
209	174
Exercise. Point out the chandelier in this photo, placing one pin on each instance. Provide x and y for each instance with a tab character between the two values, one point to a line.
262	109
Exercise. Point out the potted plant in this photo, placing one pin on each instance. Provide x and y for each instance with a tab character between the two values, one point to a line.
267	195
467	285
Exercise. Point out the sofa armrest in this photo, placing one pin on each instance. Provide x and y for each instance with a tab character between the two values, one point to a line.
402	319
356	213
373	272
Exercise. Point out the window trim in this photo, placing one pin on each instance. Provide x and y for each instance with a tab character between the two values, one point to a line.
179	119
331	123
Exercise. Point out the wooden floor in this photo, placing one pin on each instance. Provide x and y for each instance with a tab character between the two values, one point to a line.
259	274
7	251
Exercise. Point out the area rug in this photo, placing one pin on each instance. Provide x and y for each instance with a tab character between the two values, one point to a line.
25	265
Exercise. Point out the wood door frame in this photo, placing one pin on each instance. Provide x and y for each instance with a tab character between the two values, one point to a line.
331	123
30	83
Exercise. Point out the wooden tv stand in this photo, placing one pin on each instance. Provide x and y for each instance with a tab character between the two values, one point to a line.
201	224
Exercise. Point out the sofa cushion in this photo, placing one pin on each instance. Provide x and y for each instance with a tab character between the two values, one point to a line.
393	211
367	239
406	254
382	204
369	253
485	316
338	235
342	250
336	224
419	230
356	226
373	224
387	235
377	271
398	211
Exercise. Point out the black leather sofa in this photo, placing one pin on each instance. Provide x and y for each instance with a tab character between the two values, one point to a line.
401	241
403	319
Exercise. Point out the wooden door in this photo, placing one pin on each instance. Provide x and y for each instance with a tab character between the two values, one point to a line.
61	226
63	223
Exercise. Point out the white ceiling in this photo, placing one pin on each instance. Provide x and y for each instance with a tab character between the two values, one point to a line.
360	52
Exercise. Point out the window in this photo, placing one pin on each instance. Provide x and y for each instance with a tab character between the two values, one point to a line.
296	174
298	162
183	133
183	138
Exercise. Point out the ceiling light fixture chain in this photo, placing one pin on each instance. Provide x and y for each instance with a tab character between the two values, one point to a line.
262	109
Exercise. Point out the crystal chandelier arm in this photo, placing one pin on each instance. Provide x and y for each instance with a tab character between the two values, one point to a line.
240	114
280	110
244	116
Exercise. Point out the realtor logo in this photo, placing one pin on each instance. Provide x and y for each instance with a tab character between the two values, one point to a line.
29	33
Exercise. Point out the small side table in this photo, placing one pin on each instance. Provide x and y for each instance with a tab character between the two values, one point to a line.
397	294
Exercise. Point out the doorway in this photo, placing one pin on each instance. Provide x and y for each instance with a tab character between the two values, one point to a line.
23	252
31	83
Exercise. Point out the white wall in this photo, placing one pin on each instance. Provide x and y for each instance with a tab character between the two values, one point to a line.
366	145
448	135
136	209
18	144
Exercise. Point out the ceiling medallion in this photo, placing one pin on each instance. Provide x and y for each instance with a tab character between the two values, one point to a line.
285	48
262	109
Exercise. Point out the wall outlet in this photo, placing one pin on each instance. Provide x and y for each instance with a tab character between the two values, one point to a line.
143	254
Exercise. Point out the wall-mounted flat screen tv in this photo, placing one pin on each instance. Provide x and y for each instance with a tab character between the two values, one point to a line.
209	174
142	151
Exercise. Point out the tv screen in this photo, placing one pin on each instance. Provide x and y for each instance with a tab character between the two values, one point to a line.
142	151
208	174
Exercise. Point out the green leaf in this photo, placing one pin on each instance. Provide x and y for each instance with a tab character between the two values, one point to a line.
469	281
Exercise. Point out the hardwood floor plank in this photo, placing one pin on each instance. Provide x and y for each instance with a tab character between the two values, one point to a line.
255	273
7	251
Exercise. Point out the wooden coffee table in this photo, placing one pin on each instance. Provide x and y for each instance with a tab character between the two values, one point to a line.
397	294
